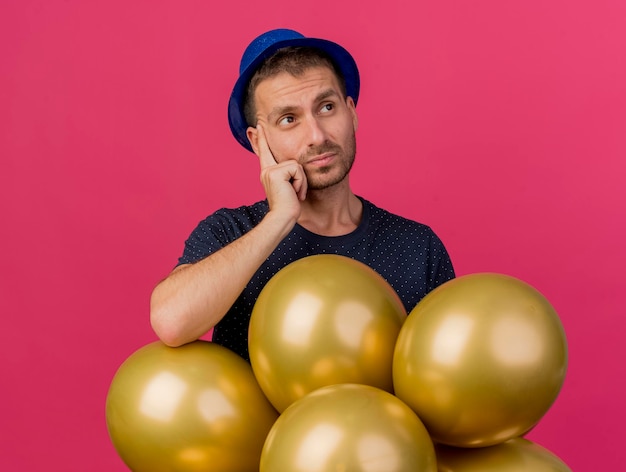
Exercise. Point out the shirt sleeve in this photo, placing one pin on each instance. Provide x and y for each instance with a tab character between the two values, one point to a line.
220	229
202	242
442	269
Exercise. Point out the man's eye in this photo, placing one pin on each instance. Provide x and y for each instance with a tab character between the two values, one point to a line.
286	120
327	107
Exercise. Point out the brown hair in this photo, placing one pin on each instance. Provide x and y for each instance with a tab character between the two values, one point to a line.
294	60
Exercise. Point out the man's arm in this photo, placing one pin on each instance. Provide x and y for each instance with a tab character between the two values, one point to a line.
195	297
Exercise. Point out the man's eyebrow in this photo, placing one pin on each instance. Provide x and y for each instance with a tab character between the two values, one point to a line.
326	94
278	111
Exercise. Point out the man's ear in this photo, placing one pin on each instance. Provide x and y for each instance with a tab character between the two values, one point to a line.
352	108
253	137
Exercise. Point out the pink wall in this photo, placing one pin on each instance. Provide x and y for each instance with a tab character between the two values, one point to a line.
500	124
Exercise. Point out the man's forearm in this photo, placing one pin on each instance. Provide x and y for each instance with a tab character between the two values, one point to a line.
195	297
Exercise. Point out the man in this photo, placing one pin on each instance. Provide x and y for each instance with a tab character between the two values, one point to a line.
294	106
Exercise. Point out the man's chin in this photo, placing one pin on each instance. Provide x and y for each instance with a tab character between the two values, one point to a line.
325	181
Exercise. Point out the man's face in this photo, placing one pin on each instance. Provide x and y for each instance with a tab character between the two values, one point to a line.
307	119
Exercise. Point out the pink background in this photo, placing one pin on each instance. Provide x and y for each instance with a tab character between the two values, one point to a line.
502	124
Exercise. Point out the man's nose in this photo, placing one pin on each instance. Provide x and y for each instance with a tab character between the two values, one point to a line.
316	132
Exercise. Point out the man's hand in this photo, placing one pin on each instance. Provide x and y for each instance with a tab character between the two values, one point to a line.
285	184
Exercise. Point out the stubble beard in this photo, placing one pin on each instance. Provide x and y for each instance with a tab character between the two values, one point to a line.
345	161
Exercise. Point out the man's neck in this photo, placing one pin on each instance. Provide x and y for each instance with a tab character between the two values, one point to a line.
331	212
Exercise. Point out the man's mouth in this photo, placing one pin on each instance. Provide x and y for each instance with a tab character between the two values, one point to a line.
321	159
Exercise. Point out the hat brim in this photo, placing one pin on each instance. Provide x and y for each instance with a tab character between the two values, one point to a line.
342	59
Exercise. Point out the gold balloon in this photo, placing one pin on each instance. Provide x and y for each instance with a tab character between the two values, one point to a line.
322	320
480	359
196	407
349	428
515	455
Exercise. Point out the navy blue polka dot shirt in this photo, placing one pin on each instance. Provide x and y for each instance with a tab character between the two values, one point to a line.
407	254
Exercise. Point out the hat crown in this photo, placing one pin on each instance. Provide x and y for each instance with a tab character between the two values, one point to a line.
263	42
